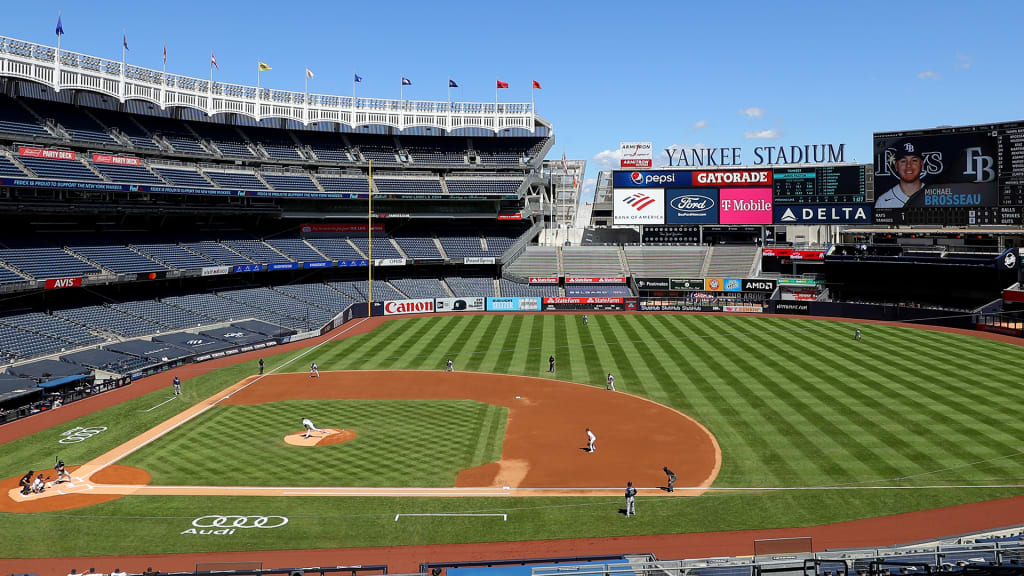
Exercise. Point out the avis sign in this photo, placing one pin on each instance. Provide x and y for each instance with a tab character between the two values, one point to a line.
57	283
636	154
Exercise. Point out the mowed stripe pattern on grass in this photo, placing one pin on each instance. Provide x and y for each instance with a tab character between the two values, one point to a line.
399	443
792	402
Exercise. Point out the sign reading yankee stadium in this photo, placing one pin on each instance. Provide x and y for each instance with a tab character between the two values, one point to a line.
763	155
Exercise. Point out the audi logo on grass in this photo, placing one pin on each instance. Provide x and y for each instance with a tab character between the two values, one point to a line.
79	434
218	524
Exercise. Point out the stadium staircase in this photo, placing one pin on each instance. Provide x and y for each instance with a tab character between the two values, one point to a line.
13	158
85	162
440	249
623	261
52	127
105	271
707	262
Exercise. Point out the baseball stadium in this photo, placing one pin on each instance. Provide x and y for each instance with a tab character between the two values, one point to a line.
253	331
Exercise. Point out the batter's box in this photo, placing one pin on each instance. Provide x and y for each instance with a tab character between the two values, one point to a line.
76	486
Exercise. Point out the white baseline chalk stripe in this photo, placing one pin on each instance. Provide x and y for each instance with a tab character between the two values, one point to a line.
504	517
159	405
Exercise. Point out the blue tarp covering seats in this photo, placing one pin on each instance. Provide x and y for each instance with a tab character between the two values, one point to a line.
65	380
267	328
155	351
13	387
47	370
236	336
196	343
104	359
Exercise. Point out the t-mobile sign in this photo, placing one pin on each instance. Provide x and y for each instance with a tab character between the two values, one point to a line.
745	206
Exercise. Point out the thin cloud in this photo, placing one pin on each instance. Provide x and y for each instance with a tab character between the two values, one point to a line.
763	134
587	194
700	124
663	158
607	159
927	75
963	61
752	112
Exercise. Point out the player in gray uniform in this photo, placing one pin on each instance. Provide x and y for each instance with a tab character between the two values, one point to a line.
630	499
449	366
314	371
308	424
856	334
611	383
671	479
61	472
591	438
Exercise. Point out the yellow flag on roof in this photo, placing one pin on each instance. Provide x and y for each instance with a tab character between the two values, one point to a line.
263	66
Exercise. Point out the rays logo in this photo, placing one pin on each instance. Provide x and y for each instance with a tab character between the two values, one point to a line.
639	201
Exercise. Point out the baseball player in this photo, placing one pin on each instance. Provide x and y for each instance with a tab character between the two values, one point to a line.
38	485
177	386
308	424
671	479
551	364
26	482
611	383
261	366
449	366
630	499
907	166
585	320
61	472
856	334
590	440
314	372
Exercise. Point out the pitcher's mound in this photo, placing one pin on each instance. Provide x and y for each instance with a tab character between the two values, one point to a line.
330	436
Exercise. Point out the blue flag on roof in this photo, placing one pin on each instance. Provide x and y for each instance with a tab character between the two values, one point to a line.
406	81
452	84
357	78
60	27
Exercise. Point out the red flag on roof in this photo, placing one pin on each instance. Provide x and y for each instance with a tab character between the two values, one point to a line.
502	84
536	85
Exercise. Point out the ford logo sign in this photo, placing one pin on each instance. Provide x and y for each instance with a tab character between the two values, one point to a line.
691	202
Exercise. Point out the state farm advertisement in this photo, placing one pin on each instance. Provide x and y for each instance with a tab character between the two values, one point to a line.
590	280
420	306
116	160
745	206
543	280
583	299
46	153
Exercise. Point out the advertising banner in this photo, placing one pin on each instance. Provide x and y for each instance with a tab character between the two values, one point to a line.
639	206
691	206
636	154
713	284
674	305
732	285
807	255
459	304
759	285
652	283
338	228
789	307
116	160
353	263
215	270
57	283
745	206
417	306
727	178
321	264
543	280
651	179
478	260
510	216
283	266
247	268
590	280
582	300
46	153
823	214
686	284
389	262
528	304
746	308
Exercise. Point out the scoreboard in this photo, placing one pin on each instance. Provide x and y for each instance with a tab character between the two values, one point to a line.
819	184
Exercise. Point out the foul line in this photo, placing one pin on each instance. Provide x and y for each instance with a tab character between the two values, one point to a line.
187	419
159	405
504	517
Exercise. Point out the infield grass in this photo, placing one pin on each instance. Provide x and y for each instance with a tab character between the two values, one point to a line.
792	402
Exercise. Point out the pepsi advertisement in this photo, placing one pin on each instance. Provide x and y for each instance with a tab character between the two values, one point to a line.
691	205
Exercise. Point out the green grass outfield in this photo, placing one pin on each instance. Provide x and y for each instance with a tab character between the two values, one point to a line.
793	403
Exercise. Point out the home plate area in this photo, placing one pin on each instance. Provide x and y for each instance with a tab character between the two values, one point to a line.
327	438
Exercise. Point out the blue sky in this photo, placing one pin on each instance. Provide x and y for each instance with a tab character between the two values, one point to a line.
717	74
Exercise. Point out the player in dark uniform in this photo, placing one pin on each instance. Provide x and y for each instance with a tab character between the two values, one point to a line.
177	386
61	472
551	364
261	365
671	479
26	482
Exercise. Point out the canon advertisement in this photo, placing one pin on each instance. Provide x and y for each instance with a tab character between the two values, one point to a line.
953	176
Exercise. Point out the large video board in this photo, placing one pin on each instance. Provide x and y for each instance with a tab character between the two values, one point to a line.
957	176
819	185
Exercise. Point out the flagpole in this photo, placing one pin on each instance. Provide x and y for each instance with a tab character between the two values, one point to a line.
56	62
449	89
369	237
124	42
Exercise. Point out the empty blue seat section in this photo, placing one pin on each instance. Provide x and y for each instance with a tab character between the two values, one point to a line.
124	124
59	169
328	147
75	121
187	177
240	180
462	245
319	295
163	314
482	186
379	154
276	144
408	185
349	185
214	306
117	258
288	311
496	245
174	132
106	360
418	246
128	174
217	252
52	327
420	287
336	248
254	250
382	247
109	320
359	289
470	286
225	138
296	249
7	168
290	182
174	256
18	344
449	151
509	288
41	263
15	119
8	277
